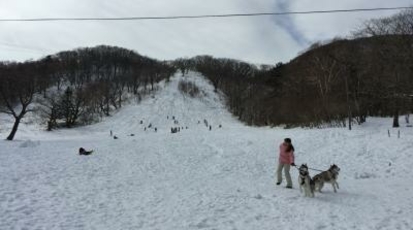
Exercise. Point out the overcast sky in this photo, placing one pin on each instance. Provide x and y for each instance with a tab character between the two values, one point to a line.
260	40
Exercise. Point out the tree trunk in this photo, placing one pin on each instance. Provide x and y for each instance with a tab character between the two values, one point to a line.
348	104
396	118
14	129
120	98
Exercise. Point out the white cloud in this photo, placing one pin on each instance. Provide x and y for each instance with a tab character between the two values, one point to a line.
254	39
326	26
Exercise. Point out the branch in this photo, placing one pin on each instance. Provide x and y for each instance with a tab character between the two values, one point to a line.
5	111
10	108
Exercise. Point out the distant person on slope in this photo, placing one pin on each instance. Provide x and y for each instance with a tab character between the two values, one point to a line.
285	160
82	151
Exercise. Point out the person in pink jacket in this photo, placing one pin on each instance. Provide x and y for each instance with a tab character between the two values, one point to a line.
285	160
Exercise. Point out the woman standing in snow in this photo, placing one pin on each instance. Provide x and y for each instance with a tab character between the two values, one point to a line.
285	160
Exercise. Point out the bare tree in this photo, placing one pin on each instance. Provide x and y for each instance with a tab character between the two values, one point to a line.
17	89
395	56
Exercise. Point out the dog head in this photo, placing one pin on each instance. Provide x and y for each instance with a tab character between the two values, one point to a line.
334	169
303	169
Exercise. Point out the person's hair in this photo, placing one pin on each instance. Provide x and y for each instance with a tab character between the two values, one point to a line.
290	147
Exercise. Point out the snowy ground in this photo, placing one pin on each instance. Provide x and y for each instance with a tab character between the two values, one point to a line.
200	179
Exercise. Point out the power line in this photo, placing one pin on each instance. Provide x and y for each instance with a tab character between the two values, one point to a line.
203	16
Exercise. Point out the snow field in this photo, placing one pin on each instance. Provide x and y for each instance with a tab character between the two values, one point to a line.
200	179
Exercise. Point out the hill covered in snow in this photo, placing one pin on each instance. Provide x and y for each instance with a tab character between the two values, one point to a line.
199	178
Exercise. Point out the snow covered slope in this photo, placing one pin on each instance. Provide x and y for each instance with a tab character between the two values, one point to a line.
160	109
199	178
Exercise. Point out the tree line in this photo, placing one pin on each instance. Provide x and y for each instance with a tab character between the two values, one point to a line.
77	87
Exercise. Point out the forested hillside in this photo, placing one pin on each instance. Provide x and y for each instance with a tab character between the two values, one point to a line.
333	83
369	74
79	86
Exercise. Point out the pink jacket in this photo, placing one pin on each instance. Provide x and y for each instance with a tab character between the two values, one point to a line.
286	157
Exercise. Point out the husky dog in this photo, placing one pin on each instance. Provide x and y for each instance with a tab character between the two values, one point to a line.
305	182
329	176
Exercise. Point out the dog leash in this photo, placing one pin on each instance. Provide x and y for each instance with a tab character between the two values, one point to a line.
316	169
309	168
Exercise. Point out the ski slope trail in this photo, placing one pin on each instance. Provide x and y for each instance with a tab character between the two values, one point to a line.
169	107
223	178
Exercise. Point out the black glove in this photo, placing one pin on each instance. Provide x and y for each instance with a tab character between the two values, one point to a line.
292	164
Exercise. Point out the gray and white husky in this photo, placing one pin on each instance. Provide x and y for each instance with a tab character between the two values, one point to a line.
329	176
305	182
